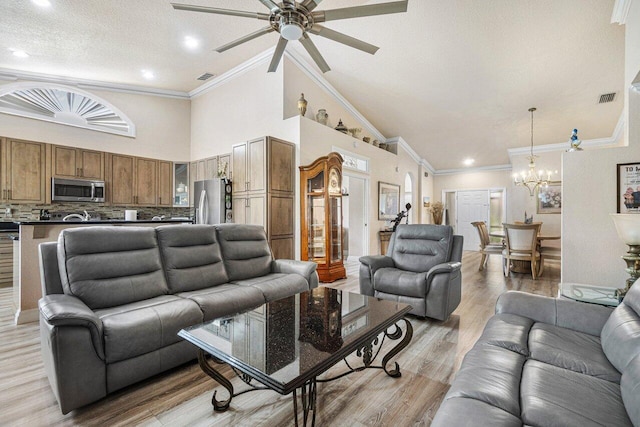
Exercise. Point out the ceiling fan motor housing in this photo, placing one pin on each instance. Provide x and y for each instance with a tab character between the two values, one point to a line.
292	23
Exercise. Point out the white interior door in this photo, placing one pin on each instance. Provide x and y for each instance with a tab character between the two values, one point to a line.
355	216
471	206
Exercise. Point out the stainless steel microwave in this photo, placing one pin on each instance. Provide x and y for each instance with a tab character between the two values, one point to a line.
77	190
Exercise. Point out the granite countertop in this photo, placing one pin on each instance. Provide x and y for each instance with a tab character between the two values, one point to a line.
105	221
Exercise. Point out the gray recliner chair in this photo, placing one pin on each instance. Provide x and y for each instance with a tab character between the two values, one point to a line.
421	268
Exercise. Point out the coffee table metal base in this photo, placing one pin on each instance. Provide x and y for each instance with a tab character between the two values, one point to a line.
308	391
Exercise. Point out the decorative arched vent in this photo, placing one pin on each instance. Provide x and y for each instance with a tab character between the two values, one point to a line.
64	105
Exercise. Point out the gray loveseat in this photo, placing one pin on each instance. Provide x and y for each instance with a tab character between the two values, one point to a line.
550	362
116	297
421	268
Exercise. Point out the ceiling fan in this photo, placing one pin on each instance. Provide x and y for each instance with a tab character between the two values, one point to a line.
296	20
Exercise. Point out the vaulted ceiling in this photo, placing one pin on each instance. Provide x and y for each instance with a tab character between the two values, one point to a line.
454	78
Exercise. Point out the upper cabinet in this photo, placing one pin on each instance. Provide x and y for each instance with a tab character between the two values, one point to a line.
210	168
24	172
139	181
69	162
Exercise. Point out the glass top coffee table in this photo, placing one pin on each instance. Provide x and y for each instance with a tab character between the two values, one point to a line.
285	345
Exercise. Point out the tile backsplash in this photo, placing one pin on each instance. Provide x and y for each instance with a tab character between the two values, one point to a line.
27	212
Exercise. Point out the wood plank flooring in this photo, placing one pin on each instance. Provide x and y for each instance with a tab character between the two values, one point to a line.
182	396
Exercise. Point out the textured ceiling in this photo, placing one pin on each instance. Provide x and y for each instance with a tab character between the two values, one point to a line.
454	78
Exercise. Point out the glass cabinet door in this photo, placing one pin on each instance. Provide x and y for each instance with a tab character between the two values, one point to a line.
181	184
317	229
335	220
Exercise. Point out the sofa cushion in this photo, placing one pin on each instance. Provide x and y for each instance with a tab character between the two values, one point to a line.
245	250
421	248
630	388
556	396
110	266
141	327
400	282
508	331
621	334
191	256
275	286
464	412
224	300
571	350
492	375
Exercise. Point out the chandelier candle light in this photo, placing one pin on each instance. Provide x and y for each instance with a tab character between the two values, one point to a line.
532	179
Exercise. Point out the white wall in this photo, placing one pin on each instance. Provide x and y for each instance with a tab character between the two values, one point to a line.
245	107
591	249
162	128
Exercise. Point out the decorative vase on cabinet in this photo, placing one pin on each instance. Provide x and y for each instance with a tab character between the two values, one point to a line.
322	116
321	216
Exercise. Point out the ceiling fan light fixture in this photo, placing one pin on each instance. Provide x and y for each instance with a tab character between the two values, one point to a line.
291	31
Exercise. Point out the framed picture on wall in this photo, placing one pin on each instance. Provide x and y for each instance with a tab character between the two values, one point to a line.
628	188
388	200
550	198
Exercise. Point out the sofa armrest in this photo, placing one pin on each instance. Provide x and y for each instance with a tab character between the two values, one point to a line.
306	269
67	310
375	262
578	316
445	267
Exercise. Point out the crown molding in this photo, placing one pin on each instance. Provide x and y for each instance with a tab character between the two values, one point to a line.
13	75
636	82
610	141
412	153
494	168
236	71
318	79
620	11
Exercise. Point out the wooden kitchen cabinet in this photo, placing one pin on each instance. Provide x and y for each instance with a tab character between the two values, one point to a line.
24	171
69	162
121	179
139	181
263	190
165	183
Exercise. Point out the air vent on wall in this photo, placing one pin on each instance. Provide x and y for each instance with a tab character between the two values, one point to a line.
205	76
607	97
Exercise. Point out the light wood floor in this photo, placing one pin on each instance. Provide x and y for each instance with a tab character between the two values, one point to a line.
183	395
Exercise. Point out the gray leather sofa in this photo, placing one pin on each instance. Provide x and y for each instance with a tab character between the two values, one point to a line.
421	268
550	362
116	297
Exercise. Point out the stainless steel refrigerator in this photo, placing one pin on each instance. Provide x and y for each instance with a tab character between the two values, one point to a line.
212	201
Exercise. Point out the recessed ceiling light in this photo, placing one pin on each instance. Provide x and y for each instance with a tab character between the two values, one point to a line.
191	42
19	53
147	74
468	162
42	3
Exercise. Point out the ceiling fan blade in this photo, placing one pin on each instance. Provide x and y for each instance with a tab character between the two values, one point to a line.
358	11
271	5
343	38
315	54
277	54
242	13
255	34
311	4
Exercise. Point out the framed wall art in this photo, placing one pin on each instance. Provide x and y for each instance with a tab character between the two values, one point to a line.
388	200
550	198
628	188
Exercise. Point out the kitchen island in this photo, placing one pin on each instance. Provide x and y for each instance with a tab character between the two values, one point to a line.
26	284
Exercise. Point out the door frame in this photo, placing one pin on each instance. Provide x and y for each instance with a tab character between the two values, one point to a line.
365	177
503	190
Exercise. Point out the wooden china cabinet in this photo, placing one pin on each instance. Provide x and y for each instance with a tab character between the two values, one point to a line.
321	212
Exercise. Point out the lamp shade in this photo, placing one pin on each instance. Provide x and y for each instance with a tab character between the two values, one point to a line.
628	227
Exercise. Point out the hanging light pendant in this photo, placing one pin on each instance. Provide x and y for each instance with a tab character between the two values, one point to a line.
532	179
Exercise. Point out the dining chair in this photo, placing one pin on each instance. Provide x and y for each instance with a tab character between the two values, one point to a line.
521	244
486	247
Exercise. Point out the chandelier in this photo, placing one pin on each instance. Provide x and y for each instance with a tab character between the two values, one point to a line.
532	179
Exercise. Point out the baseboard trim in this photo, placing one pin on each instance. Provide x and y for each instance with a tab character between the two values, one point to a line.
26	316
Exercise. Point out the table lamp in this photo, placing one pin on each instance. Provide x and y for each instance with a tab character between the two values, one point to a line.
628	228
